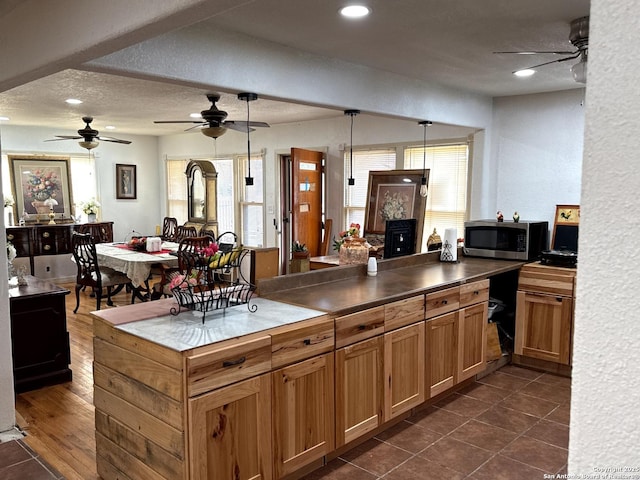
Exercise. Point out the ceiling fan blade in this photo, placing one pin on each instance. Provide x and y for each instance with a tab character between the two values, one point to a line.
114	140
533	52
64	137
200	125
241	125
177	121
552	61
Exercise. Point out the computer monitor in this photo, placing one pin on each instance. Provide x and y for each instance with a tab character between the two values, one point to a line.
400	237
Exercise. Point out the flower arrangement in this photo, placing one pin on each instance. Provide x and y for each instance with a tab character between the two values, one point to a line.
183	281
352	231
11	252
8	202
394	206
42	185
211	254
91	207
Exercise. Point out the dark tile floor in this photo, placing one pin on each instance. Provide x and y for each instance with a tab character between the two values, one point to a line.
19	462
512	424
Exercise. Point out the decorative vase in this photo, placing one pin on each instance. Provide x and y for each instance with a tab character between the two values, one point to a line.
353	250
41	207
91	217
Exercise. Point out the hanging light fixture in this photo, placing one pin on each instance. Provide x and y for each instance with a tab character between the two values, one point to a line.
424	189
351	113
248	97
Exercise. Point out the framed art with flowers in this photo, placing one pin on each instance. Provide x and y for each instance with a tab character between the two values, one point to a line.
40	184
394	195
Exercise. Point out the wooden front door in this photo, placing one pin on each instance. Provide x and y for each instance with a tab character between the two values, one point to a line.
306	198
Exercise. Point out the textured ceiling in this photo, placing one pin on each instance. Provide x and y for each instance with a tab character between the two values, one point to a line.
440	41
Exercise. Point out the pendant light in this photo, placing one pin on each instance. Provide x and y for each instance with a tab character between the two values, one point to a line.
248	97
424	189
351	113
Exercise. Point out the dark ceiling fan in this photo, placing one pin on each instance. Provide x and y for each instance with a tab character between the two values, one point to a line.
213	123
579	38
88	136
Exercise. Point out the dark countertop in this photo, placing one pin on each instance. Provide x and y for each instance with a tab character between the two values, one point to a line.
357	291
35	287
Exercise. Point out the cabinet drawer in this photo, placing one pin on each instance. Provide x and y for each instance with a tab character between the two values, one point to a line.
307	339
442	301
404	312
475	292
228	363
359	326
549	280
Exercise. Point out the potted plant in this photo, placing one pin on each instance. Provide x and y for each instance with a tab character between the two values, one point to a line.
299	258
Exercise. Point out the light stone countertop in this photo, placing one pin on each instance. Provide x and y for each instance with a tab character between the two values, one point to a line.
186	330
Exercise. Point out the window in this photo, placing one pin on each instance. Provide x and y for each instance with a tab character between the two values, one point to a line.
231	172
447	199
355	196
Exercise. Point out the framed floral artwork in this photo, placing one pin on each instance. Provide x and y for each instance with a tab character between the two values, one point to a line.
394	195
126	181
39	184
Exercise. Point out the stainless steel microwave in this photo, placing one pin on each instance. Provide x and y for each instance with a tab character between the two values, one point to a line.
524	240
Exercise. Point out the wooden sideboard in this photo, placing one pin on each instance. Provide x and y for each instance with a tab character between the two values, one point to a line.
39	337
35	240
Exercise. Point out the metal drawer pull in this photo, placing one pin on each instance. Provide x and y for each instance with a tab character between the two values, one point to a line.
46	234
307	341
476	292
10	237
47	247
362	327
231	363
558	299
444	302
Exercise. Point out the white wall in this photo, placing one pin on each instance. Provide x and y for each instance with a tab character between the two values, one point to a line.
141	214
605	406
536	151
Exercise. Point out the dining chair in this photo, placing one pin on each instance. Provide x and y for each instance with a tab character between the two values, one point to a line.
183	232
169	226
91	274
207	231
186	249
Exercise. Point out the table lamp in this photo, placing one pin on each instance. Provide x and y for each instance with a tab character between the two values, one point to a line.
51	202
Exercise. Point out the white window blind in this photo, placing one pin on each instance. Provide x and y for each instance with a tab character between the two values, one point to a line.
447	199
355	196
252	203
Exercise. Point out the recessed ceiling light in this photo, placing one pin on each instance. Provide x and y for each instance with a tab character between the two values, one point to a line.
527	72
110	127
73	101
355	11
195	115
4	119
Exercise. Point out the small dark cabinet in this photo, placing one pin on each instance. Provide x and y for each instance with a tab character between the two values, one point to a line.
39	336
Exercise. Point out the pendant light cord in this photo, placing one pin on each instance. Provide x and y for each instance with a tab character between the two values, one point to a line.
351	151
248	141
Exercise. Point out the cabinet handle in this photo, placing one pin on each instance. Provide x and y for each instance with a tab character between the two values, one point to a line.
307	341
231	363
558	299
10	237
362	327
476	292
47	247
444	302
46	234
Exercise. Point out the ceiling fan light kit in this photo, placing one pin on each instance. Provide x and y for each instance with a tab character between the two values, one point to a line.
88	136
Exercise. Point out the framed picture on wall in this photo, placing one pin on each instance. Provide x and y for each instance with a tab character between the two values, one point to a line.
40	184
394	195
126	181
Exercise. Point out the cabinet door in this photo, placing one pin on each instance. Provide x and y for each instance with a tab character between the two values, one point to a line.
442	352
472	341
543	327
359	391
403	369
303	422
230	432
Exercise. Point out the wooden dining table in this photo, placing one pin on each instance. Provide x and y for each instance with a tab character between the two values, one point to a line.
135	264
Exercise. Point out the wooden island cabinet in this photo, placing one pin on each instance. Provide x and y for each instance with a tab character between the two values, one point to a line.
275	393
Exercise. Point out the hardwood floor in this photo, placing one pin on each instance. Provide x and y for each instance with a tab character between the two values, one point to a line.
59	420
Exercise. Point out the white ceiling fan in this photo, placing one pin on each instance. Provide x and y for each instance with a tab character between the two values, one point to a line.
579	38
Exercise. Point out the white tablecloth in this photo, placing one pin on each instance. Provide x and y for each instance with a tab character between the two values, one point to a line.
135	265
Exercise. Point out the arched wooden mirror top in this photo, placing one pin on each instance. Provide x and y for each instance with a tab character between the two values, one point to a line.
202	194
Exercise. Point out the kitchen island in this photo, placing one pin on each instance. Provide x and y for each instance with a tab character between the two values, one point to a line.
328	358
